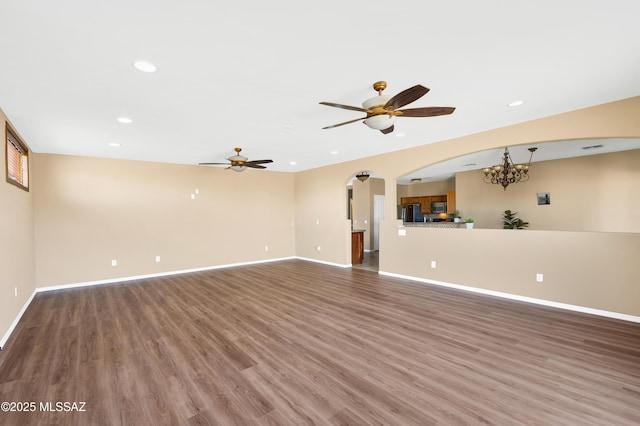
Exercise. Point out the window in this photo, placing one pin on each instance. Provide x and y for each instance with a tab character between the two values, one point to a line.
17	160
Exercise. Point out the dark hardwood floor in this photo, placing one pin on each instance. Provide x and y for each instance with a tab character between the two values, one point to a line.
297	343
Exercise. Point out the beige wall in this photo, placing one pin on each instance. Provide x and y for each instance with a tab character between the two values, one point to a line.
90	211
597	270
597	193
17	253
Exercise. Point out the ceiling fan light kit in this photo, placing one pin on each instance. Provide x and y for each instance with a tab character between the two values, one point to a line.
380	122
382	111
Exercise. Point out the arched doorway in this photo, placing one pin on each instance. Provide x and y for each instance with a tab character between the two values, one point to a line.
365	209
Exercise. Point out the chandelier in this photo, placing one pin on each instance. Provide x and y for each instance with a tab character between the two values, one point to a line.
507	173
362	176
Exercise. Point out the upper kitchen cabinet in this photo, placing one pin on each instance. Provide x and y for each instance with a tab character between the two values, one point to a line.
451	202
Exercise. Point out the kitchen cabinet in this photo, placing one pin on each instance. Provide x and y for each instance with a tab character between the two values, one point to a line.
357	247
425	205
410	200
451	202
426	201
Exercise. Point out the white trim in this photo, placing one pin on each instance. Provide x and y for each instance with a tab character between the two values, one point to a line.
339	265
576	308
159	274
17	320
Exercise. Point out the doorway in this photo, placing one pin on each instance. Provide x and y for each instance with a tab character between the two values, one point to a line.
366	205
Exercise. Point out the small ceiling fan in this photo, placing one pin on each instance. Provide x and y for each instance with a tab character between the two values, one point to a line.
382	111
239	163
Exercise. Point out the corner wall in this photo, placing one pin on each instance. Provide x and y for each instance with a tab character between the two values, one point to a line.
17	250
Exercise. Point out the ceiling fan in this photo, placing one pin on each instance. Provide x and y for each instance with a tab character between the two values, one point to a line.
239	162
382	111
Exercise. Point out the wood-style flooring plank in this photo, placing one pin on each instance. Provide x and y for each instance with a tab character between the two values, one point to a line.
299	343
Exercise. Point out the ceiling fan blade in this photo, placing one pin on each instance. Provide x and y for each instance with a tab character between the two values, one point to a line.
213	164
352	108
249	163
407	96
346	122
426	111
387	130
255	166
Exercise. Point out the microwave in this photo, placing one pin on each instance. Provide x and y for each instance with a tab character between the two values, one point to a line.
438	208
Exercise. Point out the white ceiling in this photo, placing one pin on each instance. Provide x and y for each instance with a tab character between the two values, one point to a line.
251	73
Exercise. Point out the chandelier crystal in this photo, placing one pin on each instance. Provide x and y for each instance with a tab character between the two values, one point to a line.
507	173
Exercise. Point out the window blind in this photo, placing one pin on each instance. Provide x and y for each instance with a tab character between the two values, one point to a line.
17	161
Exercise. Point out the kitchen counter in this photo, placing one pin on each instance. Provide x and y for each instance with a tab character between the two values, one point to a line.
435	224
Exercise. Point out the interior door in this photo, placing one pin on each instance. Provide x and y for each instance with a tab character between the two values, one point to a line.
378	215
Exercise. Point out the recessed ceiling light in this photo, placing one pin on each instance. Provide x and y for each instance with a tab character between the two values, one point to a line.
515	103
145	66
125	120
334	152
114	144
293	163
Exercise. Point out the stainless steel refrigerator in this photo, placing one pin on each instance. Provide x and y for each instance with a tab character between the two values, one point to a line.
410	213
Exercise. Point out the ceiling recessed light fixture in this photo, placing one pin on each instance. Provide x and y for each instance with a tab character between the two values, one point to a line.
125	120
515	103
145	66
293	163
114	144
334	152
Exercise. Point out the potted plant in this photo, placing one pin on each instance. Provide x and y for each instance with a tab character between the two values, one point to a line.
470	222
510	220
456	216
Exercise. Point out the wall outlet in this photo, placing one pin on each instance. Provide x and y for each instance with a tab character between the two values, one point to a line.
15	290
318	248
193	196
114	262
157	258
539	278
433	264
402	232
197	191
266	248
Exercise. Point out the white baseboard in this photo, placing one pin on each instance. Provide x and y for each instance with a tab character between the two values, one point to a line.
339	265
566	306
16	320
159	274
